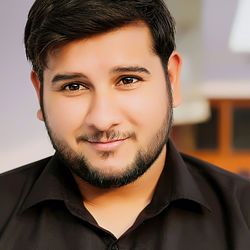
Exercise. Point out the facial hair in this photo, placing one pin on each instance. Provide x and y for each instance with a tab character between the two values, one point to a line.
79	164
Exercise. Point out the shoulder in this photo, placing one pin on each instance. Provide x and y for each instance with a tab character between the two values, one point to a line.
214	173
16	184
231	189
18	176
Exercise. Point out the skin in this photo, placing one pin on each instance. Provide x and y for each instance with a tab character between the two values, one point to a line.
100	96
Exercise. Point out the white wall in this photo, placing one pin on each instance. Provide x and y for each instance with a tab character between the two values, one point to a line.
22	137
221	64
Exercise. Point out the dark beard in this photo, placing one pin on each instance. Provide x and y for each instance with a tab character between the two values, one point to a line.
79	164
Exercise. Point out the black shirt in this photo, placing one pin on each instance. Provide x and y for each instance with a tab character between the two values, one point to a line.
195	206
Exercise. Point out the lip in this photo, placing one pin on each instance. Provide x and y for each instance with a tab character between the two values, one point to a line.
107	146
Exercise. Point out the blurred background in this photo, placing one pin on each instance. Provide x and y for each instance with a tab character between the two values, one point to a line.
213	122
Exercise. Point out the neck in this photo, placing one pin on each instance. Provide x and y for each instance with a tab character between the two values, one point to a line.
107	205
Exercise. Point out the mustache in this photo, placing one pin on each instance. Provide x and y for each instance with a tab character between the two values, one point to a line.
101	136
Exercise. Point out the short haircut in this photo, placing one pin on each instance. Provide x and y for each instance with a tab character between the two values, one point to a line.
52	23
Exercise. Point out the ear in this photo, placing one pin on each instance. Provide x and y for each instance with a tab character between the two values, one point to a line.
174	70
37	85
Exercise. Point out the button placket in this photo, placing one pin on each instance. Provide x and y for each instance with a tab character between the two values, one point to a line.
114	247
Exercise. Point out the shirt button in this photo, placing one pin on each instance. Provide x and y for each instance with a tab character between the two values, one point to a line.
114	247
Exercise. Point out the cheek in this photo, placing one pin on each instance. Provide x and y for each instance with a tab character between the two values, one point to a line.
147	110
64	115
148	106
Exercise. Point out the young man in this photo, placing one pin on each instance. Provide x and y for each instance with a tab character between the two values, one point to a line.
107	77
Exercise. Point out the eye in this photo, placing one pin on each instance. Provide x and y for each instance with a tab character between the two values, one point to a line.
73	87
128	81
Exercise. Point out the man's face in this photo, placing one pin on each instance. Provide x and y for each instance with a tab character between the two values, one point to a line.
107	106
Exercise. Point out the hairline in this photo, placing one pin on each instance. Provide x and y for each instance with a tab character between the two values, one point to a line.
50	49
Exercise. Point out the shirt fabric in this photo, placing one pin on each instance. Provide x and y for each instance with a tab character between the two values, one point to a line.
195	206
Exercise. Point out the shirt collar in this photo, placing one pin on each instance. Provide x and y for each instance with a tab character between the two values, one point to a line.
176	183
55	183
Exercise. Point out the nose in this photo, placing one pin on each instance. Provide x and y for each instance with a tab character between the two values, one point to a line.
103	113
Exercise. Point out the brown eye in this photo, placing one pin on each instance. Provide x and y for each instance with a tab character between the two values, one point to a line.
129	80
73	87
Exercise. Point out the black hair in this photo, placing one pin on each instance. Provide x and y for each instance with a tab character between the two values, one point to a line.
55	22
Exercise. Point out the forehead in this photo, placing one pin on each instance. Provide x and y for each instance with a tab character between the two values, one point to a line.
129	42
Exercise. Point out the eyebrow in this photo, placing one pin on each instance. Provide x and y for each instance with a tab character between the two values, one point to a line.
119	69
63	77
125	69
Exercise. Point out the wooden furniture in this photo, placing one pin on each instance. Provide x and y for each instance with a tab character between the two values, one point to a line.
224	139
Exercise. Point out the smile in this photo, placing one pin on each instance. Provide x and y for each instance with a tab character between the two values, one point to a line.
107	145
